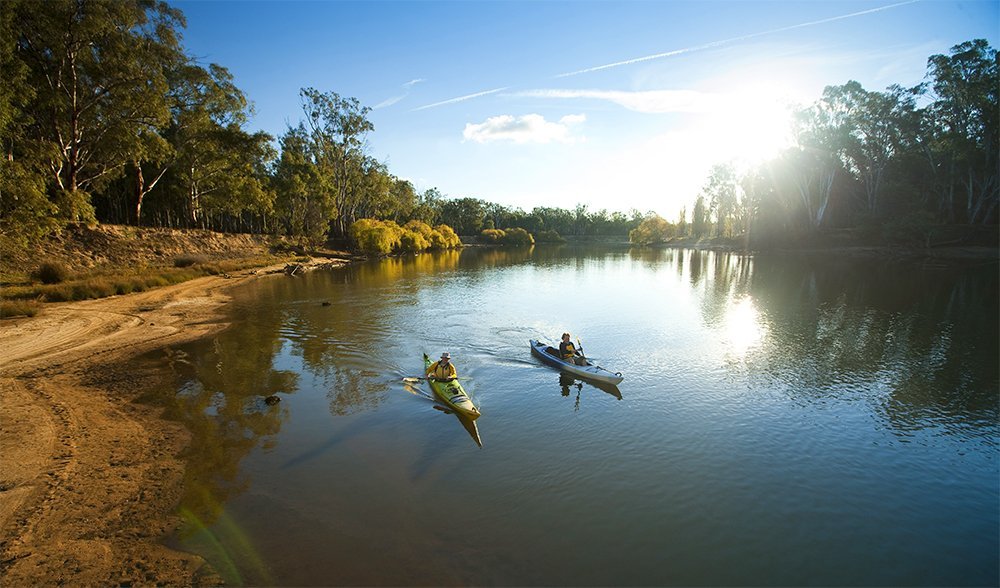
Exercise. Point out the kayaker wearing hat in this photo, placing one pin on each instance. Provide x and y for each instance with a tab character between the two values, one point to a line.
442	370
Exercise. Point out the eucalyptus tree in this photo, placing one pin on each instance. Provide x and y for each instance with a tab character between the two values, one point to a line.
721	189
303	203
26	213
403	199
700	222
97	68
207	112
428	207
964	123
868	128
370	191
465	215
338	129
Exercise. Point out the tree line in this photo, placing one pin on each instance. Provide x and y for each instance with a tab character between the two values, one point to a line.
104	117
899	161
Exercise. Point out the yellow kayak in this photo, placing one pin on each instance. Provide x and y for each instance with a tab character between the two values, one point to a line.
452	394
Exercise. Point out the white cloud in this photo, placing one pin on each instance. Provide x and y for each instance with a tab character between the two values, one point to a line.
530	128
652	101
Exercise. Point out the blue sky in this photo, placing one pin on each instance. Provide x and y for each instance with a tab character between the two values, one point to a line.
616	105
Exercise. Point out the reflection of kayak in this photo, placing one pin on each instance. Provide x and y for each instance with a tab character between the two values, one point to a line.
452	394
567	380
596	373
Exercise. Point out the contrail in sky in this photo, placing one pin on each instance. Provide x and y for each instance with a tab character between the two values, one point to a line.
406	91
461	98
732	40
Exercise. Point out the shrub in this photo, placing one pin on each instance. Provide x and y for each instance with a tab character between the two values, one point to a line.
492	236
9	308
378	237
550	236
448	236
518	237
652	230
421	227
52	272
413	242
188	260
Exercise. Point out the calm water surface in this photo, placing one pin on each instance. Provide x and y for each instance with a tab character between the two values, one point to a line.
783	421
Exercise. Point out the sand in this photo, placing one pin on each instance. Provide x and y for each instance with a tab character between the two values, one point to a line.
90	479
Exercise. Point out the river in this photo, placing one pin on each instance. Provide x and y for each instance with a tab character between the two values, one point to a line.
784	420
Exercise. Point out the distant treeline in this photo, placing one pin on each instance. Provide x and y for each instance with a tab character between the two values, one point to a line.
104	117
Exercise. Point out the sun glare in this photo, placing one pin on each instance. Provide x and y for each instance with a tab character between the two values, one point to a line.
743	330
753	126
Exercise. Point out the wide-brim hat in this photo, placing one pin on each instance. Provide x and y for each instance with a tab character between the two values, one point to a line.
445	355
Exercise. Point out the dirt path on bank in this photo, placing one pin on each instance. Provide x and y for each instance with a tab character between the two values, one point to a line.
89	479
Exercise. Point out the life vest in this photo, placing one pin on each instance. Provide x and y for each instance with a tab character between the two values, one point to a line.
442	371
570	351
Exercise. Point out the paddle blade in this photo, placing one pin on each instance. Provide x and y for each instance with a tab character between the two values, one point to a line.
412	380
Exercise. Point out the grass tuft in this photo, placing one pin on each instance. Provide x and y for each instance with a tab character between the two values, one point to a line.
12	308
51	272
189	260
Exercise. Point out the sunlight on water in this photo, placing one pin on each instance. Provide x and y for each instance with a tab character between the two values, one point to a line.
782	421
742	327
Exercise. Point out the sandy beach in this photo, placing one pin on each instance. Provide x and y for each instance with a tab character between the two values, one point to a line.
90	479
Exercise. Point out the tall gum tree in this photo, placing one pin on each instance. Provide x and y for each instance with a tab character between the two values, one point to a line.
964	122
338	128
98	70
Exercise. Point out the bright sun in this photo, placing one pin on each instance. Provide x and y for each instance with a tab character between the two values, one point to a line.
753	126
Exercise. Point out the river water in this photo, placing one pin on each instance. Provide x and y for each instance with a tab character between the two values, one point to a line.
796	420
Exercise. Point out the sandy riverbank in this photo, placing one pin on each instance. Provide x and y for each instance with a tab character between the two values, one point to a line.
89	479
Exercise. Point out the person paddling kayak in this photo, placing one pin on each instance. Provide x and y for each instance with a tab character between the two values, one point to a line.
442	370
569	352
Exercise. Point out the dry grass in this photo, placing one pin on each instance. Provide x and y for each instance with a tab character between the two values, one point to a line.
106	283
12	308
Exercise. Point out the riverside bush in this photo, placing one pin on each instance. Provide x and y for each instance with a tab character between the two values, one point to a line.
413	242
52	272
385	237
518	237
448	237
189	260
376	237
550	236
492	236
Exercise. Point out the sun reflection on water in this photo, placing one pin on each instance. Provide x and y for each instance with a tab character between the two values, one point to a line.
742	328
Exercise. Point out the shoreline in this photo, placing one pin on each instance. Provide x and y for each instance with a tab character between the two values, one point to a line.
91	478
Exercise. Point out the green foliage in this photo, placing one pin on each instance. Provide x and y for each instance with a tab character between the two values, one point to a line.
699	219
51	272
550	236
912	229
98	70
653	230
492	236
25	213
465	215
518	237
